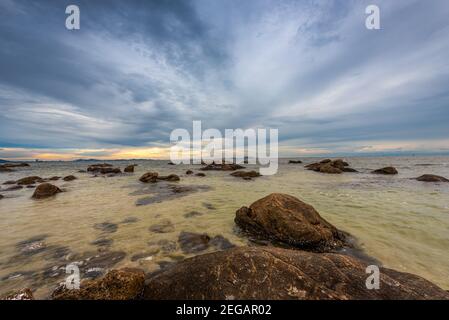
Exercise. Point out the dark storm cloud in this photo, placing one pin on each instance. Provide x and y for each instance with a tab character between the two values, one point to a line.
136	70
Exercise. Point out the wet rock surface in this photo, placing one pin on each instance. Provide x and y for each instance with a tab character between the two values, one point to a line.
200	174
275	273
69	178
45	190
386	171
431	178
13	188
164	226
189	172
294	161
122	284
286	219
149	177
107	227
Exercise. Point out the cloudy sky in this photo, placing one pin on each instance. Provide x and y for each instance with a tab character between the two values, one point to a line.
136	70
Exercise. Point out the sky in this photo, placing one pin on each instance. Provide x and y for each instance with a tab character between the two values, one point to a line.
137	70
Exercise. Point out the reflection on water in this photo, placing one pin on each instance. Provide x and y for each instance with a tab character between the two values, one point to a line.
118	221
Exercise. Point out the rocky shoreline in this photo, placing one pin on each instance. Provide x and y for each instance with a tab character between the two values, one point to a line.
294	253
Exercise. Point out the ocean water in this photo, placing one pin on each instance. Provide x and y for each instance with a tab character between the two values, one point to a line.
401	222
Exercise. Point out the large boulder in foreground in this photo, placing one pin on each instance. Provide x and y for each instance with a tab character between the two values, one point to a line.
268	273
432	178
122	284
286	219
45	190
386	170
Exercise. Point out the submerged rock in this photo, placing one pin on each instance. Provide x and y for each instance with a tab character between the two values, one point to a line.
164	226
122	284
9	182
1	197
23	294
13	188
432	178
191	242
268	273
294	161
286	219
386	170
45	190
247	175
108	227
102	242
29	180
189	172
130	220
69	178
55	178
32	245
200	174
192	214
222	167
171	177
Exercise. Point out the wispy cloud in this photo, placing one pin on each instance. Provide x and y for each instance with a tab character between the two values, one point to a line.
139	69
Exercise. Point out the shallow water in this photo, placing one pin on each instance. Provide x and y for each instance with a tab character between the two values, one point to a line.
401	222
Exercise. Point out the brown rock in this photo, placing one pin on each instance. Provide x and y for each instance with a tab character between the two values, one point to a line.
45	190
110	171
328	168
9	182
171	177
386	170
189	172
23	294
97	167
29	180
55	178
122	284
130	168
149	177
432	178
200	174
15	165
268	273
1	196
295	161
245	174
69	178
222	167
286	219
